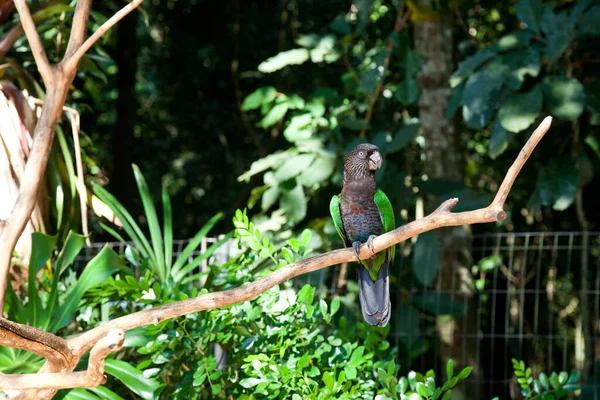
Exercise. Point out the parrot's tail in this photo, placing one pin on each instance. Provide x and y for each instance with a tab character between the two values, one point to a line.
375	296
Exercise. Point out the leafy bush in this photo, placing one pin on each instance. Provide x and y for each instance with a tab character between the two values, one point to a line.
555	386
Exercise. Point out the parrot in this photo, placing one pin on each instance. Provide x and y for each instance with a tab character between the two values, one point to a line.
360	213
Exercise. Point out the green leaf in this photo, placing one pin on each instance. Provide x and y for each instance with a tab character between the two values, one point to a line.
306	295
499	140
426	257
287	254
129	225
351	372
565	99
189	249
559	30
41	249
283	59
448	395
370	78
519	111
303	361
340	25
269	197
299	128
403	137
529	12
82	394
318	172
356	358
557	185
181	275
168	229
157	254
479	97
328	380
408	91
514	40
422	390
95	273
335	306
465	373
470	64
134	379
105	393
450	369
520	63
455	100
260	96
554	382
216	389
403	383
274	115
293	166
363	13
543	378
293	203
73	245
136	337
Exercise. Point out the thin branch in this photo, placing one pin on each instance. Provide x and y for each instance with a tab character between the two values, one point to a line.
441	217
399	25
47	345
37	48
92	377
524	154
71	61
79	26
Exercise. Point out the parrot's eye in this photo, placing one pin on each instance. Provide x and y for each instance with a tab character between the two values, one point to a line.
361	154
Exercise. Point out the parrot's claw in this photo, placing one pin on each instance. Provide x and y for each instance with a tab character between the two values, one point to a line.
356	247
370	243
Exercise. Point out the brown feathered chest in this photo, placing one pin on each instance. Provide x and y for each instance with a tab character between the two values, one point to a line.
360	214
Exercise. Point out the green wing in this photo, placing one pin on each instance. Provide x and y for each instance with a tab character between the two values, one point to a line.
386	213
336	215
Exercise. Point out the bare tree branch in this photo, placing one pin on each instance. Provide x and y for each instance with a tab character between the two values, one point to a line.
37	48
92	377
71	60
79	26
51	347
441	217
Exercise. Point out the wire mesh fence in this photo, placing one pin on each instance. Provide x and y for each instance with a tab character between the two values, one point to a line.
530	296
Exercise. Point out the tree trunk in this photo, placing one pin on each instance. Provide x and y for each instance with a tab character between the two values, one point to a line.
434	44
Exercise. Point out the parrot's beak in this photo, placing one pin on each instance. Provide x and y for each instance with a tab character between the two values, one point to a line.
375	161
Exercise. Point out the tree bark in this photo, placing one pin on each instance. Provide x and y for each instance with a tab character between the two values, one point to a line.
434	44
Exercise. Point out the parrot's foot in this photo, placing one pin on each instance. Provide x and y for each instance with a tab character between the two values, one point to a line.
356	247
370	243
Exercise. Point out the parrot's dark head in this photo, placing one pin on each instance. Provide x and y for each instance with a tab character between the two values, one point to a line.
362	162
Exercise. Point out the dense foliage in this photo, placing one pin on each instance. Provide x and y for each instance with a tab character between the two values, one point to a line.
253	106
